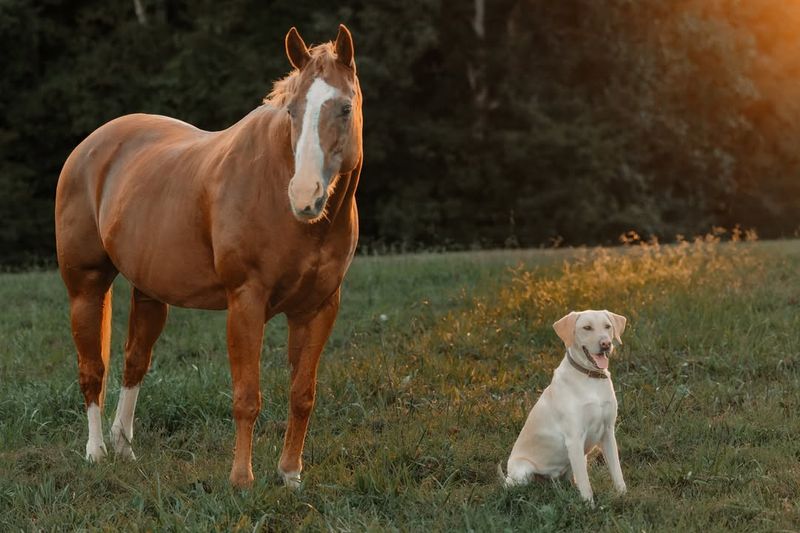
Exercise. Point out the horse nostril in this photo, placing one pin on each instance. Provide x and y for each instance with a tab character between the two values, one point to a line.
318	204
317	189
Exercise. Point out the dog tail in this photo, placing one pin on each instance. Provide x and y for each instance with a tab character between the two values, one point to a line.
501	475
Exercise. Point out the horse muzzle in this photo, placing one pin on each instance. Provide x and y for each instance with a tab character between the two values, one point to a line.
310	213
307	202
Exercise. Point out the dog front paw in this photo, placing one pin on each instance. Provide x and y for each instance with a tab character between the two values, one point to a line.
621	488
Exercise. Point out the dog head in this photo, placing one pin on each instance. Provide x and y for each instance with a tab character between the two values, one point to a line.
590	333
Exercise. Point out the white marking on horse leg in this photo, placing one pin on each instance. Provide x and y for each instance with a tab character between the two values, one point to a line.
290	479
122	428
95	447
309	157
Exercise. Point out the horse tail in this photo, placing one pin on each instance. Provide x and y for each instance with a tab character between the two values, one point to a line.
105	341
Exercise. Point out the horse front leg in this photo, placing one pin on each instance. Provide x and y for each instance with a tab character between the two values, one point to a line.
246	315
307	337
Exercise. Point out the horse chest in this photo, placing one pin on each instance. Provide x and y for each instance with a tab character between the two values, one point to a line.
305	288
322	279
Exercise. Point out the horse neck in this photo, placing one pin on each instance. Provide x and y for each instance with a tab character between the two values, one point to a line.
266	134
349	181
341	202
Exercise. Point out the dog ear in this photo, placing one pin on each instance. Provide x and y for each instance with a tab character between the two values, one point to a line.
296	49
565	328
618	321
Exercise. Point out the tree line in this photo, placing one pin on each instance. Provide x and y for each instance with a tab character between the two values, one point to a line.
487	124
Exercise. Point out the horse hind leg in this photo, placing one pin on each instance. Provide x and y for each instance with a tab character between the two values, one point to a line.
146	322
90	315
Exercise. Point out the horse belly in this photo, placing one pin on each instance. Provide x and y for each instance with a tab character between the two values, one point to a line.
168	262
153	229
176	282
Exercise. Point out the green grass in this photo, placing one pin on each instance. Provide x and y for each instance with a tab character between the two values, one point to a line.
414	412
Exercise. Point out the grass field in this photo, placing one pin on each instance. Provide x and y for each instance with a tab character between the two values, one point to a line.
414	412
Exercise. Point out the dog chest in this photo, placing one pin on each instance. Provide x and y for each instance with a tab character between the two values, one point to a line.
597	417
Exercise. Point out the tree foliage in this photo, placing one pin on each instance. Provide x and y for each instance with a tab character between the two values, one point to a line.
530	121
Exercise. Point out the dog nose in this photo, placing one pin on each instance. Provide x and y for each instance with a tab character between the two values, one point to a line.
605	345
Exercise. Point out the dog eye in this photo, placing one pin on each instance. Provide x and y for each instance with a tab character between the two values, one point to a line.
608	326
587	328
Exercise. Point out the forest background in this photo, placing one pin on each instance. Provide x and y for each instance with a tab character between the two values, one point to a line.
510	123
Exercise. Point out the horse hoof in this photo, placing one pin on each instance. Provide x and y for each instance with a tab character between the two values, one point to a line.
96	451
241	479
291	479
122	444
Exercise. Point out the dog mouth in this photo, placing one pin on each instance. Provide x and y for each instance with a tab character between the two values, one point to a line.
600	360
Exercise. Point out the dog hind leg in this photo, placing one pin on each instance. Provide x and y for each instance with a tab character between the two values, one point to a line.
520	472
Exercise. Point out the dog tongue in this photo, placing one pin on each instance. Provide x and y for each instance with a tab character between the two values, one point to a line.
601	360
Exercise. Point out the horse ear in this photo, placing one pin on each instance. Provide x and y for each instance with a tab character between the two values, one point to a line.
344	46
296	49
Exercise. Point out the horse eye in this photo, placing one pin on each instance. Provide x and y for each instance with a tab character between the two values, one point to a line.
587	328
346	110
289	111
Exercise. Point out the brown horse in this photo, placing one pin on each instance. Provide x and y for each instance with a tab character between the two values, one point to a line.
258	219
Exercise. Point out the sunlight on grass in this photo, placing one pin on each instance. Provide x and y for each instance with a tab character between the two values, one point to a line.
642	274
639	279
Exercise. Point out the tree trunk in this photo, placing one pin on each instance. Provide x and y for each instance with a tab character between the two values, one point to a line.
141	15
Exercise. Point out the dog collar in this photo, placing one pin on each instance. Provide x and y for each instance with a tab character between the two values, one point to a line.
591	373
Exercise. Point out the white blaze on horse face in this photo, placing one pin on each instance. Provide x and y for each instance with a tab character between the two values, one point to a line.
95	447
306	186
122	429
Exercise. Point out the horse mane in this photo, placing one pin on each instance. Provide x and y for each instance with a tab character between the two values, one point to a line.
284	88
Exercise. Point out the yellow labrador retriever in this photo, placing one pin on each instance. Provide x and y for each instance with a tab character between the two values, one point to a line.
577	411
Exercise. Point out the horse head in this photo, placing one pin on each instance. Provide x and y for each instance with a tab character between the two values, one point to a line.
325	116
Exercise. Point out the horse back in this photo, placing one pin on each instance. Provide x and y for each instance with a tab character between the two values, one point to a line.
138	185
